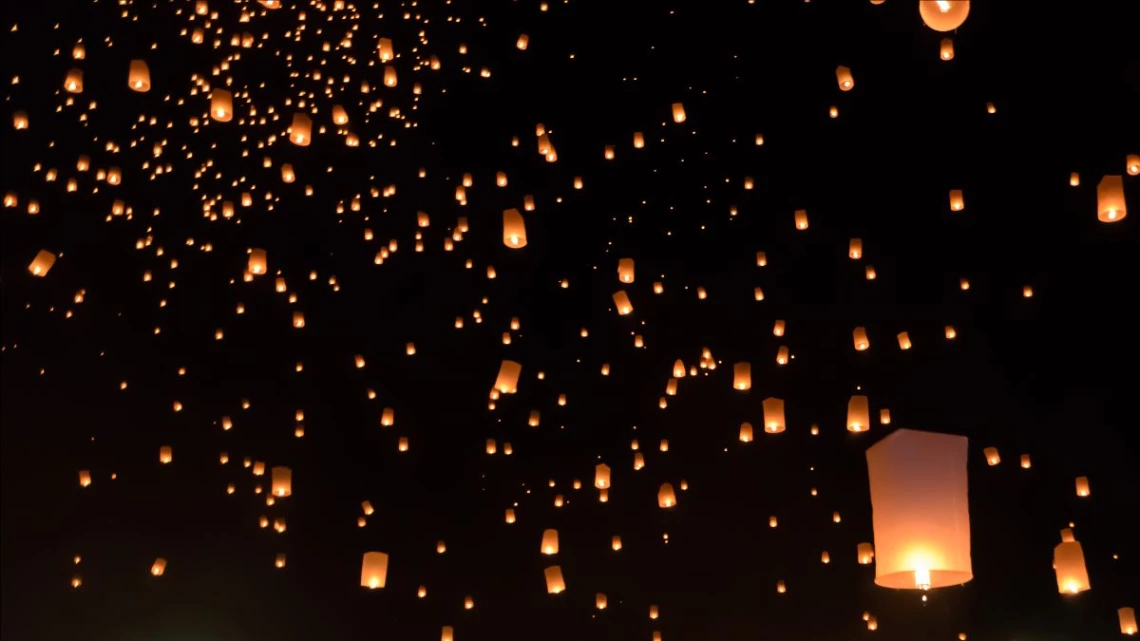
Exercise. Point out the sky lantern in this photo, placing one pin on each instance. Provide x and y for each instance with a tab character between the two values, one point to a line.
801	219
1110	199
844	77
943	15
1127	618
282	481
742	376
678	113
1082	486
865	552
301	133
258	263
920	510
625	270
638	140
374	570
601	476
778	328
884	416
508	379
746	432
859	335
42	263
73	81
555	584
678	369
774	415
666	497
514	229
992	456
1069	564
221	105
20	120
447	634
390	78
600	601
138	77
339	115
84	478
621	301
957	201
858	414
904	341
946	49
855	249
165	454
158	568
384	50
1132	163
549	542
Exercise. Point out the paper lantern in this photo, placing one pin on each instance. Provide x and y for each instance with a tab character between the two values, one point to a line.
778	328
1127	621
615	543
387	417
951	333
165	454
600	601
508	378
1082	486
1132	162
138	77
678	113
801	219
825	558
258	262
946	49
782	355
20	120
554	581
858	414
904	341
859	334
957	201
884	416
448	634
514	229
1074	179
73	81
992	456
1069	563
1110	199
746	432
844	77
221	105
855	249
666	497
865	553
638	140
366	507
601	476
301	133
42	263
1026	463
549	542
920	510
158	568
774	415
282	481
742	376
943	15
84	478
385	50
374	570
625	270
621	302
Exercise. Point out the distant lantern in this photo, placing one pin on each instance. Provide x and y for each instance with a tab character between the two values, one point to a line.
678	369
860	337
385	50
20	120
1132	163
920	510
84	478
301	133
514	229
1127	621
844	77
340	116
904	340
782	355
73	82
448	634
282	481
957	201
138	77
865	553
257	262
374	570
678	113
855	249
522	42
666	497
858	414
601	476
1026	462
625	270
621	301
801	219
165	454
778	328
746	432
600	601
508	379
509	516
615	544
1110	199
943	15
287	174
1082	486
388	417
298	319
42	263
742	376
761	259
555	584
549	542
884	416
774	415
825	558
638	140
221	105
390	78
1069	563
946	49
1074	179
158	567
992	456
951	333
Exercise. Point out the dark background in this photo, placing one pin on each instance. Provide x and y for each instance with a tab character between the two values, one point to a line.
1052	376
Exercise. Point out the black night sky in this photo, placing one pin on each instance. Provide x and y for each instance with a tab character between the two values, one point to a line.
148	308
